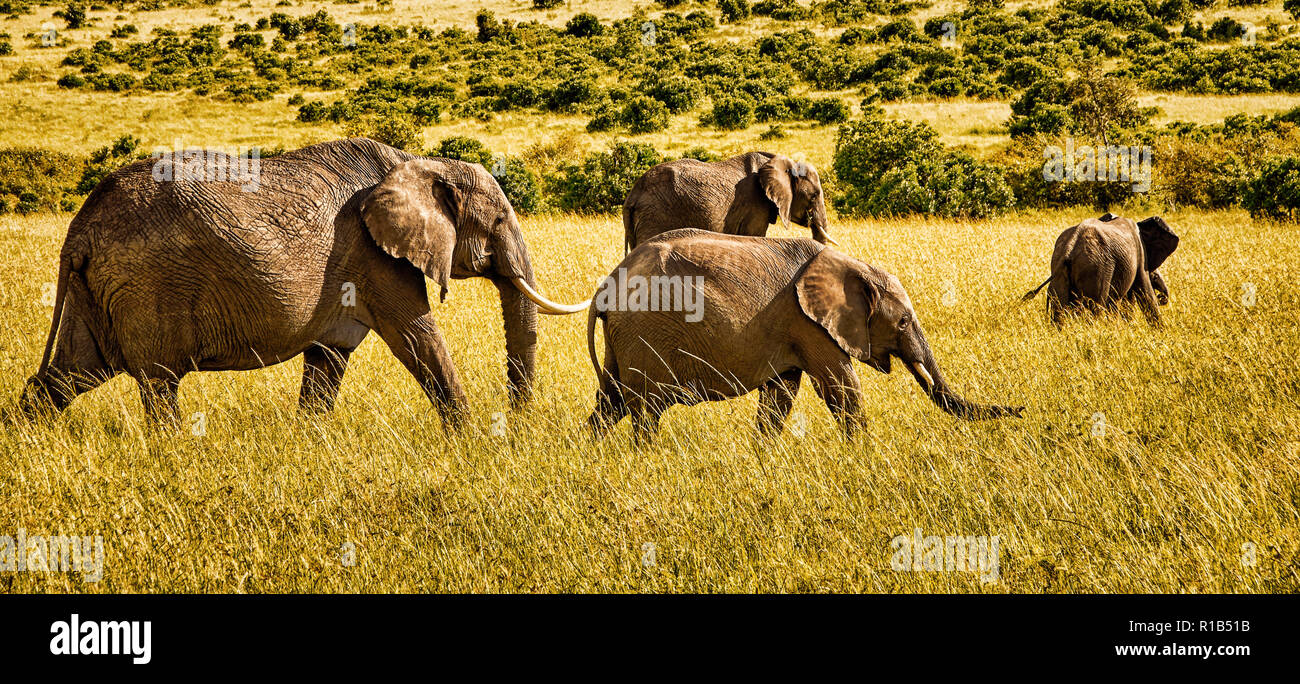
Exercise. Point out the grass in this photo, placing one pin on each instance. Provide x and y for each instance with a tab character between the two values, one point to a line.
1201	453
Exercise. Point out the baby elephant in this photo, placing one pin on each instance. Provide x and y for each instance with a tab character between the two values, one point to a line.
693	316
1103	261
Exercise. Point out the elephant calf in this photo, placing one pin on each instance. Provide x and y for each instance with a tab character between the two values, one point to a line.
737	196
1103	261
696	316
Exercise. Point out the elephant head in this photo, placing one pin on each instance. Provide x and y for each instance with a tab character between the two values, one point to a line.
869	315
795	192
451	220
1158	241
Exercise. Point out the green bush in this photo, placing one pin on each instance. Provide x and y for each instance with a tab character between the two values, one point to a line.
731	114
887	168
395	129
547	4
1275	192
643	114
33	179
584	25
736	10
105	160
601	182
828	110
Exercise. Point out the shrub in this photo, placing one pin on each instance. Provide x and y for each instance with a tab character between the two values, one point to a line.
105	160
1275	192
644	114
601	182
547	4
32	179
828	110
74	14
885	168
463	148
731	114
584	25
396	129
1225	30
738	10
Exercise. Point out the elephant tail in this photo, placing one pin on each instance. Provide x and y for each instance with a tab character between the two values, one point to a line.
1064	266
1034	292
60	295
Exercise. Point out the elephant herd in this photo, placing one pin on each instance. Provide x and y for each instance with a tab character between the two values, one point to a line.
160	278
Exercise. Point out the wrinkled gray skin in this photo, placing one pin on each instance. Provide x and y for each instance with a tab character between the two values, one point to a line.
774	308
737	196
1104	261
159	278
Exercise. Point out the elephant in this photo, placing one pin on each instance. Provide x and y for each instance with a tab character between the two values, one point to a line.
718	316
1101	262
196	272
737	196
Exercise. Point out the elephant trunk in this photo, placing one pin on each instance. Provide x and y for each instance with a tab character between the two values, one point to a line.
817	223
519	314
926	371
520	304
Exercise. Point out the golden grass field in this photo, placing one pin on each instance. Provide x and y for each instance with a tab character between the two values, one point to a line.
1201	455
1193	487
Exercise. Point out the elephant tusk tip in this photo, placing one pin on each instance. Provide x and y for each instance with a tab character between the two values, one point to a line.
545	305
565	309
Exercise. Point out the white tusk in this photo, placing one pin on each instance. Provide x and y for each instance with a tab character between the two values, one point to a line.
832	241
925	375
545	305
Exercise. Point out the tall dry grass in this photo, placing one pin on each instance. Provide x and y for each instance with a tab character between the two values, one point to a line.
1200	456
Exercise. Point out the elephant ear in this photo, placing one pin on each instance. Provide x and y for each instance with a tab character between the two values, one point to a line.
412	214
775	179
834	293
1159	241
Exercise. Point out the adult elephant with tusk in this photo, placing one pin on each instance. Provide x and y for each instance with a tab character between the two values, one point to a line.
174	265
737	196
718	316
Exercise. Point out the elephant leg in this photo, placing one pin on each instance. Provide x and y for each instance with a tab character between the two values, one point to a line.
840	388
645	419
610	407
775	399
51	393
1144	295
419	345
1106	296
322	373
159	396
1059	295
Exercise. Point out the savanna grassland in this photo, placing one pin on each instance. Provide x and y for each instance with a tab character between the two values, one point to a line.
1147	460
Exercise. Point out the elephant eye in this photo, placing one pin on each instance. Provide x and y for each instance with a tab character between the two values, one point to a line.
902	323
